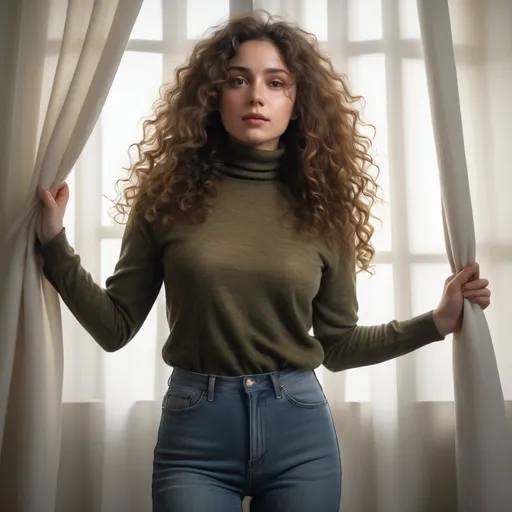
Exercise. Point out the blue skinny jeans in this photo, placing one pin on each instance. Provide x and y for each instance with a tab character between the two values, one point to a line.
270	436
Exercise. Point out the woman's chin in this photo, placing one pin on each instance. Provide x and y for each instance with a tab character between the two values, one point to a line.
258	141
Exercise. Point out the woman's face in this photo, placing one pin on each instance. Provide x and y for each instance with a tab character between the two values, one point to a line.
258	83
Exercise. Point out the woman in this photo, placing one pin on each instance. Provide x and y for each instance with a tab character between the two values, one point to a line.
251	202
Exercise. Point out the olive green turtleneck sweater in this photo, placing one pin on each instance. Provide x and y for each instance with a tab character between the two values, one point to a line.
243	289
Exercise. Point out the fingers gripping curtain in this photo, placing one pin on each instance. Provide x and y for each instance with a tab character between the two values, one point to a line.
63	57
484	458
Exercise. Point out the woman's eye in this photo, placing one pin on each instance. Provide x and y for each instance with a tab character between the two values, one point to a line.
238	81
275	84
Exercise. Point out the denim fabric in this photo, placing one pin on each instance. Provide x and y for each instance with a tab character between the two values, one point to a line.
270	436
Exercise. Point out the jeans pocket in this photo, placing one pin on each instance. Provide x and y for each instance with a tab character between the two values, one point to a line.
180	398
304	392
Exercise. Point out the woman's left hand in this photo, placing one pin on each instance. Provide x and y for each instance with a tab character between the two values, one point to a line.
466	284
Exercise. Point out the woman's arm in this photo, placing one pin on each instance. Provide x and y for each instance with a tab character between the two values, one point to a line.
347	345
114	314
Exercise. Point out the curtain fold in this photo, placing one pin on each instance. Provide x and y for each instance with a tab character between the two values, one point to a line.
483	447
63	55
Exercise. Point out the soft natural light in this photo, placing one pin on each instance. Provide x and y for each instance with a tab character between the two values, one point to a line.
434	380
131	369
93	412
365	20
367	74
315	16
375	296
212	12
409	21
135	89
149	22
424	207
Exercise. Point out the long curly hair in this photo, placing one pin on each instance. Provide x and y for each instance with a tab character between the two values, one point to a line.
326	174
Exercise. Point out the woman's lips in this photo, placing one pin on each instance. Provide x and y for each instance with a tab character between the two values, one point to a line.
254	121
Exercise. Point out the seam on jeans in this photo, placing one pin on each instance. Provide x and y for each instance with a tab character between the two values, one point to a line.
200	402
302	405
340	465
255	464
262	435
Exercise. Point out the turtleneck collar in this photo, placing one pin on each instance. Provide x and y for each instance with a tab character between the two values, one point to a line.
245	162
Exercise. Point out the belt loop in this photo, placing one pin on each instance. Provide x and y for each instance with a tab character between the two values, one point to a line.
211	387
277	387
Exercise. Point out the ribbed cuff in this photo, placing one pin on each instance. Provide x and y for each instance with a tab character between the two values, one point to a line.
424	328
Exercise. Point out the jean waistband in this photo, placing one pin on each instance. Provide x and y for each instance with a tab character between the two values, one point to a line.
242	383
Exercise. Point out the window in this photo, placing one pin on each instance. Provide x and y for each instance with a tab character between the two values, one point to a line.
382	57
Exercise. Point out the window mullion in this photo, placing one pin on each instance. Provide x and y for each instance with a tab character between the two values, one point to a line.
175	44
337	44
240	7
397	174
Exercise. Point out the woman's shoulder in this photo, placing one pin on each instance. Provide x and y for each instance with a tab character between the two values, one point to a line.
335	253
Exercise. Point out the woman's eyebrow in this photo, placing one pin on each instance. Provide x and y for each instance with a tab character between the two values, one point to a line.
267	71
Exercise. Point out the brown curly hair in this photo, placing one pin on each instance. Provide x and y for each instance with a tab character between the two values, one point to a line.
326	171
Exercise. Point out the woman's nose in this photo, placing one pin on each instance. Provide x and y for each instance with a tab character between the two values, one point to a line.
257	95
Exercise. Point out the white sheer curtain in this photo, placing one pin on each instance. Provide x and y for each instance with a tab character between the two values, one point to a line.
59	58
396	421
484	451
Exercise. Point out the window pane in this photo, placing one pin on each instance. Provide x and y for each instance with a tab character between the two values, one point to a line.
376	306
135	88
434	376
423	190
202	15
409	20
310	15
138	357
149	22
314	18
364	20
367	74
376	295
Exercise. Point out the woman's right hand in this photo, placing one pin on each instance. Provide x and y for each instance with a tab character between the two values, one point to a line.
51	219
